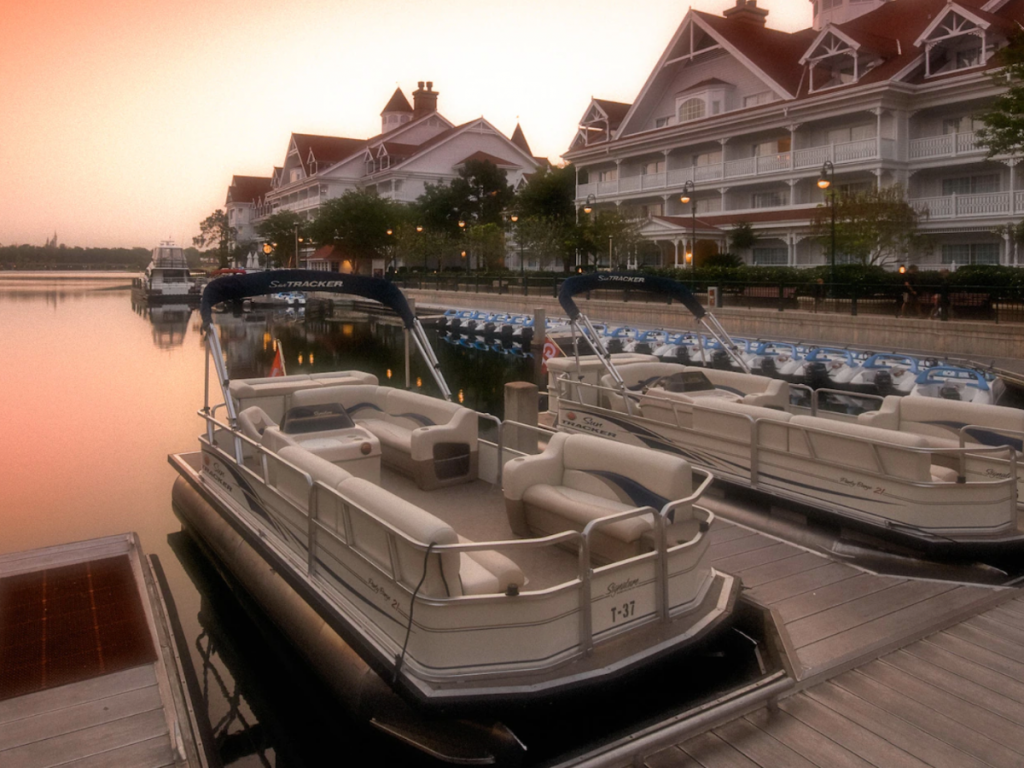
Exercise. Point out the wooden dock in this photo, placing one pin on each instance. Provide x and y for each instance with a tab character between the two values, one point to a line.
88	671
887	671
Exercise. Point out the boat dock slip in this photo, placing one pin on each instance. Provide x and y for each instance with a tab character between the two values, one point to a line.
88	671
888	671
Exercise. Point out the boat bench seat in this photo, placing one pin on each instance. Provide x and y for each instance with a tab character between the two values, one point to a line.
273	393
637	377
727	418
877	450
762	391
449	574
939	421
579	479
430	440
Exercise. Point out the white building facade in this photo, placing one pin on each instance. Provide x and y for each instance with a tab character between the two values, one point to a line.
416	146
743	119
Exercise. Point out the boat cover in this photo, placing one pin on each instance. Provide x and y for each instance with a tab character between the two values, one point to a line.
237	287
621	280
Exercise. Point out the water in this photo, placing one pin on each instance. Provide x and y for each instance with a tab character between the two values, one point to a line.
97	392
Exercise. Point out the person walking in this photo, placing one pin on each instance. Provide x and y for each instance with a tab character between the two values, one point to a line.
910	293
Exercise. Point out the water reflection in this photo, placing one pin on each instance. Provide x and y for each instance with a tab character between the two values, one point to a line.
170	321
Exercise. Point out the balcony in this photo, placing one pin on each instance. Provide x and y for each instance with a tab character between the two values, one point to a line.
963	206
746	167
947	145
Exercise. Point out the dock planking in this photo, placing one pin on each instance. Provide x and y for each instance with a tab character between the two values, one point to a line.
952	696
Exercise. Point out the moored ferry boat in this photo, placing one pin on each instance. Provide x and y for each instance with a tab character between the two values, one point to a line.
464	574
937	474
167	277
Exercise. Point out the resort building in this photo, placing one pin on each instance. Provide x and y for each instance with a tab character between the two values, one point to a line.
244	194
417	146
743	120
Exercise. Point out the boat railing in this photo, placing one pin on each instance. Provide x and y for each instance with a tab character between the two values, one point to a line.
971	429
320	493
960	454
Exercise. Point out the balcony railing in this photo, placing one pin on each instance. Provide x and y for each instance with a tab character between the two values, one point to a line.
955	206
745	167
947	145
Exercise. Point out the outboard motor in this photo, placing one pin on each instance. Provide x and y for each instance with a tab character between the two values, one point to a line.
883	382
642	348
506	331
489	329
442	323
614	346
769	367
526	337
720	359
682	355
816	375
472	326
949	392
455	327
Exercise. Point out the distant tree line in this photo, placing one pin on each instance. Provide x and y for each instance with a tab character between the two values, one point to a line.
66	257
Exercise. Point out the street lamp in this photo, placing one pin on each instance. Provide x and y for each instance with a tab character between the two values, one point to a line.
588	207
689	190
828	173
514	218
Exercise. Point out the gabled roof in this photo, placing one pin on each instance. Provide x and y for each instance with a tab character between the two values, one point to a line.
397	103
326	150
615	111
395	149
519	139
486	157
247	189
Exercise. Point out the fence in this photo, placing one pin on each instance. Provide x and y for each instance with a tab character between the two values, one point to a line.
998	304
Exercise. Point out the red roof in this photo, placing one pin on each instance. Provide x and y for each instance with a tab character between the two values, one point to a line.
616	110
488	158
247	189
519	139
397	103
327	150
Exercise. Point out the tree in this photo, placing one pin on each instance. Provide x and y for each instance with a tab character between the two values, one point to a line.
480	195
281	231
217	235
358	224
487	244
547	215
742	236
876	227
609	236
1003	131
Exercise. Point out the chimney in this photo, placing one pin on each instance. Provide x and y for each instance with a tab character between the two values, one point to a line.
424	100
747	12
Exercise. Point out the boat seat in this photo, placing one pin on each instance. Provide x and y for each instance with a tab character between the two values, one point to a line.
431	440
579	478
761	391
726	417
637	377
253	421
449	574
273	393
874	447
940	420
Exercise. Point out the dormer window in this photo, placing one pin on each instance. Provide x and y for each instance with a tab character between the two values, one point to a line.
957	39
692	109
835	59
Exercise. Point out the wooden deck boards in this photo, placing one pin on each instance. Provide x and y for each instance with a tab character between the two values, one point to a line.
953	699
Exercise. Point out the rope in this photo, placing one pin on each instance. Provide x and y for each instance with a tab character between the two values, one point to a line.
412	605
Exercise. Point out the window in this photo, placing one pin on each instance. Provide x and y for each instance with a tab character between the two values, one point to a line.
691	109
970	253
772	199
964	124
652	167
610	175
968	57
661	122
708	158
773	147
771	257
757	98
971	185
653	209
853	133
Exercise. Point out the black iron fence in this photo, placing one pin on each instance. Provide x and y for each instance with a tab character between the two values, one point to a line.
940	302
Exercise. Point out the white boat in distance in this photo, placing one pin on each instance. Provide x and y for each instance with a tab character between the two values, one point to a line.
938	474
167	277
461	572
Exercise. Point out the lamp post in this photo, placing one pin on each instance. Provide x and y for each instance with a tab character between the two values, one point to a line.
588	208
462	226
828	173
419	231
687	197
391	252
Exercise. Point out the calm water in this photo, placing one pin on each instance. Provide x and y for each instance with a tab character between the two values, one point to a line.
97	392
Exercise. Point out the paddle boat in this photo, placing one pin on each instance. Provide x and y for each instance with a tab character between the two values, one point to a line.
966	385
938	475
885	374
463	573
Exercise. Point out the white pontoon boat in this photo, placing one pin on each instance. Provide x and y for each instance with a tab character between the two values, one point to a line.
462	572
938	474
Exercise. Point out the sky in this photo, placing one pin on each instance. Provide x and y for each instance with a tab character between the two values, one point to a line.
123	121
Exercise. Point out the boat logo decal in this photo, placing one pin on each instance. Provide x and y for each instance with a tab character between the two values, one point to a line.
419	418
615	588
639	494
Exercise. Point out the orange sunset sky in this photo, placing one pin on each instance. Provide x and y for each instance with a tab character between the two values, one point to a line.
122	121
